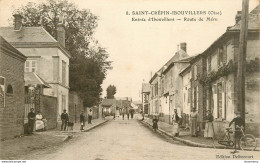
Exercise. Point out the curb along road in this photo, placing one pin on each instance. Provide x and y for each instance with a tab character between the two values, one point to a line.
68	137
187	142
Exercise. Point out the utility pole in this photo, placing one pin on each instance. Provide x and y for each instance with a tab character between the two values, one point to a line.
242	60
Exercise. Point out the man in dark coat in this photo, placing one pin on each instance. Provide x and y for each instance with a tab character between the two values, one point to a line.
82	120
31	120
64	120
238	133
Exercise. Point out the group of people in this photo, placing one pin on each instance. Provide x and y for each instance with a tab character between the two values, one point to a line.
208	133
209	128
176	122
38	119
65	119
127	112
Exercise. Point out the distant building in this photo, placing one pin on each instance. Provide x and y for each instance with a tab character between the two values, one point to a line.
166	86
137	106
11	90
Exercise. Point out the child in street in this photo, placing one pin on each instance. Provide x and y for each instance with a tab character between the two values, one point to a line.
155	123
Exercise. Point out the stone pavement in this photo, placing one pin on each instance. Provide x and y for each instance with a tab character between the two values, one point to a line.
184	136
24	145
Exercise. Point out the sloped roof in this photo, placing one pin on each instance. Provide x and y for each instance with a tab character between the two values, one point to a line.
146	88
26	34
108	102
32	37
180	54
185	60
253	21
124	98
137	102
32	78
4	45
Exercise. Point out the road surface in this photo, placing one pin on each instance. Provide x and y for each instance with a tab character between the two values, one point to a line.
129	139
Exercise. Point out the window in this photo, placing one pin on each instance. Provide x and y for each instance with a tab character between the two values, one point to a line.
189	95
220	56
64	72
163	86
156	89
209	64
195	72
9	89
230	53
2	85
171	77
30	66
63	102
195	98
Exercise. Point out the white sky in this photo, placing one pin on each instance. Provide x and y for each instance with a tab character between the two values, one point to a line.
139	48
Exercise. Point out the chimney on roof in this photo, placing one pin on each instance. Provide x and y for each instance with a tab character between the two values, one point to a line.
61	31
17	22
238	16
184	46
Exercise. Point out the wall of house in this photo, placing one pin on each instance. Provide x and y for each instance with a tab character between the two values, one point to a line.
49	68
64	58
48	107
154	102
12	114
186	87
252	103
62	91
178	86
44	58
196	70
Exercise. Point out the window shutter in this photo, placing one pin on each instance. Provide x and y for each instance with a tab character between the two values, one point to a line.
224	55
224	100
215	102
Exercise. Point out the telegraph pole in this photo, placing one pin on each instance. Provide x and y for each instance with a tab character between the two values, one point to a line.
242	60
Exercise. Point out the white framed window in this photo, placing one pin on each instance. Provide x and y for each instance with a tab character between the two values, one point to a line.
30	66
2	90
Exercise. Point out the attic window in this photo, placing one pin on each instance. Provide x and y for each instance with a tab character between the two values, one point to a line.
9	89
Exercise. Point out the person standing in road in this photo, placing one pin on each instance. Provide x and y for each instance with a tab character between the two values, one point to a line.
208	133
155	122
90	113
64	120
238	133
176	120
82	120
123	113
127	113
132	113
193	118
31	120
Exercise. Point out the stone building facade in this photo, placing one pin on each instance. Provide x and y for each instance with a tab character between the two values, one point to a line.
12	90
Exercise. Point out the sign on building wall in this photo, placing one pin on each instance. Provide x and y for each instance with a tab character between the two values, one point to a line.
2	90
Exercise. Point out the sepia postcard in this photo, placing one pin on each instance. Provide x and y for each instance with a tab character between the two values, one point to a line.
129	80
